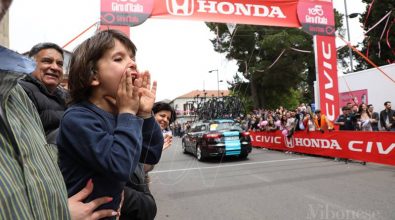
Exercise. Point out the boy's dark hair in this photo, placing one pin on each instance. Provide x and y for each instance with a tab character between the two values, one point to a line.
83	63
317	111
385	103
42	46
163	106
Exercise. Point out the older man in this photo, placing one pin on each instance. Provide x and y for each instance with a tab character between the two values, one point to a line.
42	86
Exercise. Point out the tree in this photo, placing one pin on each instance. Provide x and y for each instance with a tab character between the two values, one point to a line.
379	43
270	60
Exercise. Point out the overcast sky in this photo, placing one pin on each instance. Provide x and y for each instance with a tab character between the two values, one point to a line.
177	53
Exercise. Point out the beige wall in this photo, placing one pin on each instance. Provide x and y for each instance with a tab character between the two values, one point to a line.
4	31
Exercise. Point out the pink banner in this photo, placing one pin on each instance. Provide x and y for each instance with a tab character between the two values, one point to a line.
377	147
125	12
317	17
356	97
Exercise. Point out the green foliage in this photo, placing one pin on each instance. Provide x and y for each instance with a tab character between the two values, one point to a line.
256	48
269	83
373	45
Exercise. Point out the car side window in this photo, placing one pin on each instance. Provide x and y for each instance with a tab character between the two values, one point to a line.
197	128
193	128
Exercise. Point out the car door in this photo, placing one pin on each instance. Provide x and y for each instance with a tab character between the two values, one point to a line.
197	135
189	138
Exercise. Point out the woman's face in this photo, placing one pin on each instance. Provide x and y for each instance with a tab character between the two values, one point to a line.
163	118
112	65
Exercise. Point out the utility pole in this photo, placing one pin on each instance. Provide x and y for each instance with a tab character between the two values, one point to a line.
348	36
217	80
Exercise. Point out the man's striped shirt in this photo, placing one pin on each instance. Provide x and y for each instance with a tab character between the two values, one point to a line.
31	184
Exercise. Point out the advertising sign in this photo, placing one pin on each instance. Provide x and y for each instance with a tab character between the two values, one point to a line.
125	12
356	97
259	12
317	17
362	146
326	67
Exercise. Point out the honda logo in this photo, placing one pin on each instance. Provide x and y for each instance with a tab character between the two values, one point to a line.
180	7
289	142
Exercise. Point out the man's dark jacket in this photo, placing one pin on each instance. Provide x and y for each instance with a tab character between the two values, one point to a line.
49	106
383	116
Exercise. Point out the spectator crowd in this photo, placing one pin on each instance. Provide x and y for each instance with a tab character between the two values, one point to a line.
353	118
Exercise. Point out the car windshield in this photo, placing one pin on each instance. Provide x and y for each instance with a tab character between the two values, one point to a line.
225	126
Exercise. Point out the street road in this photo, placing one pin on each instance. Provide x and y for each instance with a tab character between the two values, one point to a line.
270	185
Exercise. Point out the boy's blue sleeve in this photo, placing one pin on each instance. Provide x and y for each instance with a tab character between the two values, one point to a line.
152	142
86	139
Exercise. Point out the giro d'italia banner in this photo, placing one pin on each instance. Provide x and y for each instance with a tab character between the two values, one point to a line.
377	147
125	12
317	17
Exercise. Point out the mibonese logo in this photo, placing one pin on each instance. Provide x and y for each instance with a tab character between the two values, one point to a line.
180	7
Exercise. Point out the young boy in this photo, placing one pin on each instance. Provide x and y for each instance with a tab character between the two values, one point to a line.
109	122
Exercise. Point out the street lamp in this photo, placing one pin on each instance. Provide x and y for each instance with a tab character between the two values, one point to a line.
348	36
217	80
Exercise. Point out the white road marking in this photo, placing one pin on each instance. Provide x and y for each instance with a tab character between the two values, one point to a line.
261	177
225	166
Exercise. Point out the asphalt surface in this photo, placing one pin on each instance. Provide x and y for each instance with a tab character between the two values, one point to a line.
270	185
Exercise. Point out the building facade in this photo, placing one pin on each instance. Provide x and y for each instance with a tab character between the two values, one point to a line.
184	105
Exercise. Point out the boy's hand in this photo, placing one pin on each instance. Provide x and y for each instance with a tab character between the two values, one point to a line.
147	95
127	99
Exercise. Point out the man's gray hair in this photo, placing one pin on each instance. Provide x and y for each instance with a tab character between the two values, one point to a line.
42	46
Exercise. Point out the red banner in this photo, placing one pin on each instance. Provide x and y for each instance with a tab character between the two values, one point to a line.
326	67
377	147
259	12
